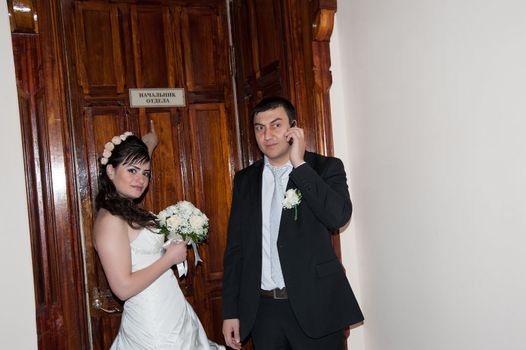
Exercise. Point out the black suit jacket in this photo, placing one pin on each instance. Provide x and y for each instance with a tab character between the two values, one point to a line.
319	292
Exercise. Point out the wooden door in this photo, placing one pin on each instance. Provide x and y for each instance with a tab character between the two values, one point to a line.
119	45
76	61
276	54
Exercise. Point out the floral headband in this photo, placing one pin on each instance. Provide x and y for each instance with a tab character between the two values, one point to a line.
109	146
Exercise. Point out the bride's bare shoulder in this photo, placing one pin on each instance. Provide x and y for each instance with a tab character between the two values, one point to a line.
108	226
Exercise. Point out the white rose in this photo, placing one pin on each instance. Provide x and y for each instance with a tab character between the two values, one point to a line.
162	216
174	222
186	207
197	222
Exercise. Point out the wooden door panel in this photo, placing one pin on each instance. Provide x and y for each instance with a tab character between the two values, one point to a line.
107	327
151	29
262	51
204	40
100	125
266	44
267	26
215	330
169	181
32	114
99	62
213	161
213	158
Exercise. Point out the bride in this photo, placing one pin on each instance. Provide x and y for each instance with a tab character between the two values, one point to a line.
156	315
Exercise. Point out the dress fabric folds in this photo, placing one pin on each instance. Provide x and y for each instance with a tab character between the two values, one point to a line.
159	317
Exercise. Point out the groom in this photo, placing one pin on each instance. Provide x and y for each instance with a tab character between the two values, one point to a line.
282	280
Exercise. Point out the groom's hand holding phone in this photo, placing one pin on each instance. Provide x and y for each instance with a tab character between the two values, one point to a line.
296	139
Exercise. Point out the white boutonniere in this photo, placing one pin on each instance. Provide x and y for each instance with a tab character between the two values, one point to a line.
292	200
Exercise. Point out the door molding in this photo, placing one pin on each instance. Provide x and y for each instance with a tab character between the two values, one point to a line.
50	177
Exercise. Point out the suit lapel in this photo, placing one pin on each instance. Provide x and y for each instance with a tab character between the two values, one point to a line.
255	198
255	187
288	224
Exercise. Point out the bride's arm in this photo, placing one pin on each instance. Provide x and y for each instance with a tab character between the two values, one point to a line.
113	245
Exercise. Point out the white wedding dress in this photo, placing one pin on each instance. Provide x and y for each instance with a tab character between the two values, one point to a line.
159	317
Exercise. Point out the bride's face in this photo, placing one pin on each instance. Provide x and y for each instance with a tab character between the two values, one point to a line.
130	180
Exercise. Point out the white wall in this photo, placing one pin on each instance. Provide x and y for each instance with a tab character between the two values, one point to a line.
429	112
17	299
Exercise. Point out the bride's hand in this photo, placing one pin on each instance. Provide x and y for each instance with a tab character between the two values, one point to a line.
151	139
176	252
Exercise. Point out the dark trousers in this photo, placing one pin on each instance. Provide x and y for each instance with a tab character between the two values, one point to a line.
276	328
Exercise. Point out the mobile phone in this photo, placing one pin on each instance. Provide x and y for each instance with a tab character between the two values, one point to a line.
293	124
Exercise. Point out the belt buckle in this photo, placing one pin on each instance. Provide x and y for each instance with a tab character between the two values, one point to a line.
275	295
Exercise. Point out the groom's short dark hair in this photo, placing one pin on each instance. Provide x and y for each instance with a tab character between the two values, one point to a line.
273	102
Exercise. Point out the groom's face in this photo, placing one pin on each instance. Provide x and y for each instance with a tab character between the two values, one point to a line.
270	128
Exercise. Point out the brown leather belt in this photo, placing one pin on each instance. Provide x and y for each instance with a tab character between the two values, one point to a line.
275	293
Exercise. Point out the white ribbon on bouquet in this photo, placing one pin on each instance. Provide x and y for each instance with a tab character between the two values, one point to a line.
182	267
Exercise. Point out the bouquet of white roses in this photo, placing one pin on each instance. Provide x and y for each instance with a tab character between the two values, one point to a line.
183	221
180	222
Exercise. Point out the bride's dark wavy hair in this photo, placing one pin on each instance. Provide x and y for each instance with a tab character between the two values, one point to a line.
130	151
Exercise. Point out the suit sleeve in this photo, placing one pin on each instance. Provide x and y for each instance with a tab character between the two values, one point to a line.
326	193
232	259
